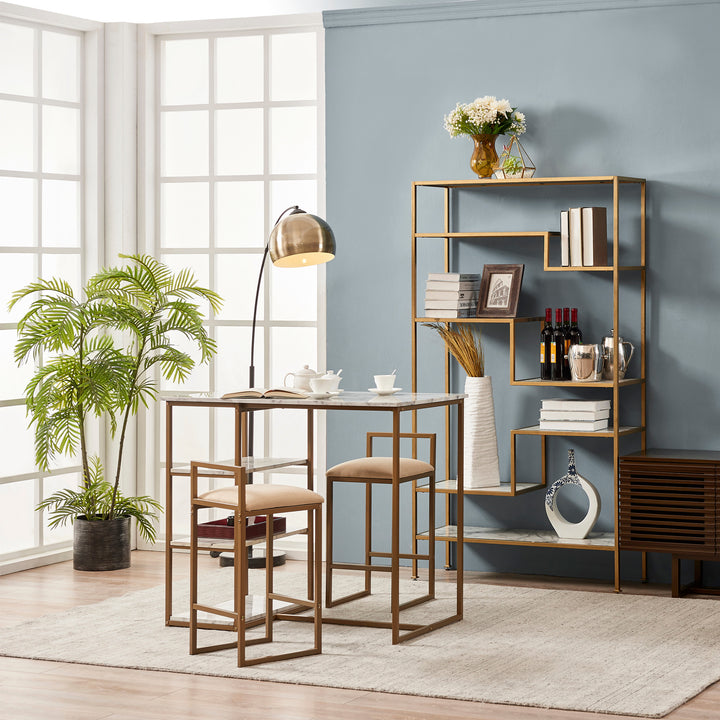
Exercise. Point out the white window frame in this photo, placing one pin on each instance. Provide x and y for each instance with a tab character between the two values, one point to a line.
92	218
149	37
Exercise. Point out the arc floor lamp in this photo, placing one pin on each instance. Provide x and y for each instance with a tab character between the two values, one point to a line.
298	239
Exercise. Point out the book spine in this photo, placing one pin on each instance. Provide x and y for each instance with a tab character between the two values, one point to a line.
451	295
452	286
594	235
454	277
564	239
449	304
574	425
575	234
578	405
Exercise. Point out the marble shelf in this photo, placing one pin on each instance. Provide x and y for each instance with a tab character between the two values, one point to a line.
542	538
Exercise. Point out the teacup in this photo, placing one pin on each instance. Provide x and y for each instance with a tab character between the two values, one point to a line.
323	384
384	382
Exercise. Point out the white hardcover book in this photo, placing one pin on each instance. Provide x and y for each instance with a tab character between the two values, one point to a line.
449	304
451	295
574	425
581	405
594	236
574	414
454	277
575	235
445	286
451	313
564	239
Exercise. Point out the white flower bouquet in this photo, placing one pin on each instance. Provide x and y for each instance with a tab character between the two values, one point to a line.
485	116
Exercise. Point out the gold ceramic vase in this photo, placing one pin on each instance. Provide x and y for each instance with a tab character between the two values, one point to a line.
484	159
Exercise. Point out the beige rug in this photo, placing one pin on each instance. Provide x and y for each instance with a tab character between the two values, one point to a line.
601	652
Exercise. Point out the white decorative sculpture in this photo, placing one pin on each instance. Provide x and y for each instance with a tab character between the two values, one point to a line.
562	527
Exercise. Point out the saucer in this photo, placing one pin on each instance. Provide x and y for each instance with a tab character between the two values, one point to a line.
336	392
319	395
377	391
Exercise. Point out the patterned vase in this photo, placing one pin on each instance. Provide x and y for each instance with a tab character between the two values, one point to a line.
562	527
480	458
484	159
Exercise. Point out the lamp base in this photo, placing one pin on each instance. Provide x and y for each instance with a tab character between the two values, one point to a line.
256	558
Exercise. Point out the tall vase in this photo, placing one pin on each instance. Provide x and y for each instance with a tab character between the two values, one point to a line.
484	159
480	459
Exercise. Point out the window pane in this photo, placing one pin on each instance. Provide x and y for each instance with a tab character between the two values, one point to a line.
185	72
13	379
225	432
239	208
293	140
184	145
17	211
52	485
289	439
185	215
17	143
191	434
60	213
233	358
236	281
293	66
16	442
61	140
239	142
60	66
16	271
64	265
290	349
286	193
294	293
17	56
239	69
17	522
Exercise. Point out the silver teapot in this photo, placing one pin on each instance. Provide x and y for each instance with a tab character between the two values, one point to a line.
625	353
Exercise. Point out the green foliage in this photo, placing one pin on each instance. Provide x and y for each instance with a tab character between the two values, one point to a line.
97	357
96	500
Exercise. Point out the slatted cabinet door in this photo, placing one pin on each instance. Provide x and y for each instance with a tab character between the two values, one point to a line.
668	505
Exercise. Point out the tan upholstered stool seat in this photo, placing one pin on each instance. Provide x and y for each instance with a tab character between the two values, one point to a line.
379	468
265	497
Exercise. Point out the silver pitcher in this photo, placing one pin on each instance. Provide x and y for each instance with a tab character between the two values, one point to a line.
586	362
625	353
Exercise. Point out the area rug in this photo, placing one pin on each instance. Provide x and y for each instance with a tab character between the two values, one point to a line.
573	650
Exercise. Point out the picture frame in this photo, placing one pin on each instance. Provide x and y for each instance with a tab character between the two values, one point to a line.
500	290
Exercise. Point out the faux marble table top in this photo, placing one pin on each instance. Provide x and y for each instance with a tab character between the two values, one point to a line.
348	399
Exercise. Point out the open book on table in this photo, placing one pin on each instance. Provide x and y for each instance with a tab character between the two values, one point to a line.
273	392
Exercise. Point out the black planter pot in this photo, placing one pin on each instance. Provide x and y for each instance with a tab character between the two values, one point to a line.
101	544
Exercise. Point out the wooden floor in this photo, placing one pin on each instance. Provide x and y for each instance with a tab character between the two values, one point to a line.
50	691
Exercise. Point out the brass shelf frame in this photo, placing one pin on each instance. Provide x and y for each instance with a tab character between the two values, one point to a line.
610	541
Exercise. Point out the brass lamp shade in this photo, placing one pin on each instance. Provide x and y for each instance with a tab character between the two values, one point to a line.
300	240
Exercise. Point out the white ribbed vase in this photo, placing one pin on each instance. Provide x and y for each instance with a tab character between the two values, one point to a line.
480	467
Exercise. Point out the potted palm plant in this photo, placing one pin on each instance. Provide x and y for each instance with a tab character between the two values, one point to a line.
99	356
480	457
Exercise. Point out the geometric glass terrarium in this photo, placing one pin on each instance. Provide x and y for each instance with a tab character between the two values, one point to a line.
514	162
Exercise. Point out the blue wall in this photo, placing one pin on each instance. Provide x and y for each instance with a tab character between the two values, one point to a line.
622	91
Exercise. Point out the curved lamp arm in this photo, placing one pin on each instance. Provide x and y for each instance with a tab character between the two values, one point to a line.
292	210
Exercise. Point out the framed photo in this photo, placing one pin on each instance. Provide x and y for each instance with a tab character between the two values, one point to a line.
500	290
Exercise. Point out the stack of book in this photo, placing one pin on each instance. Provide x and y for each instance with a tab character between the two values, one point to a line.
452	295
575	415
583	236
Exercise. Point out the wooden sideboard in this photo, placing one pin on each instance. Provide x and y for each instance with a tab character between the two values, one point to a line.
668	502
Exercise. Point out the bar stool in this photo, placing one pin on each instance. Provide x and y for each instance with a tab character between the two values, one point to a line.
372	470
245	500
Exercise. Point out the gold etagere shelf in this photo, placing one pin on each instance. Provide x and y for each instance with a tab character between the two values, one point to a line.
607	541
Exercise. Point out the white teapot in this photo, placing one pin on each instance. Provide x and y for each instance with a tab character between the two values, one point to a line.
301	378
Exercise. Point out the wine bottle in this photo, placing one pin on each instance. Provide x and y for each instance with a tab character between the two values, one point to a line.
575	331
566	333
557	348
546	338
